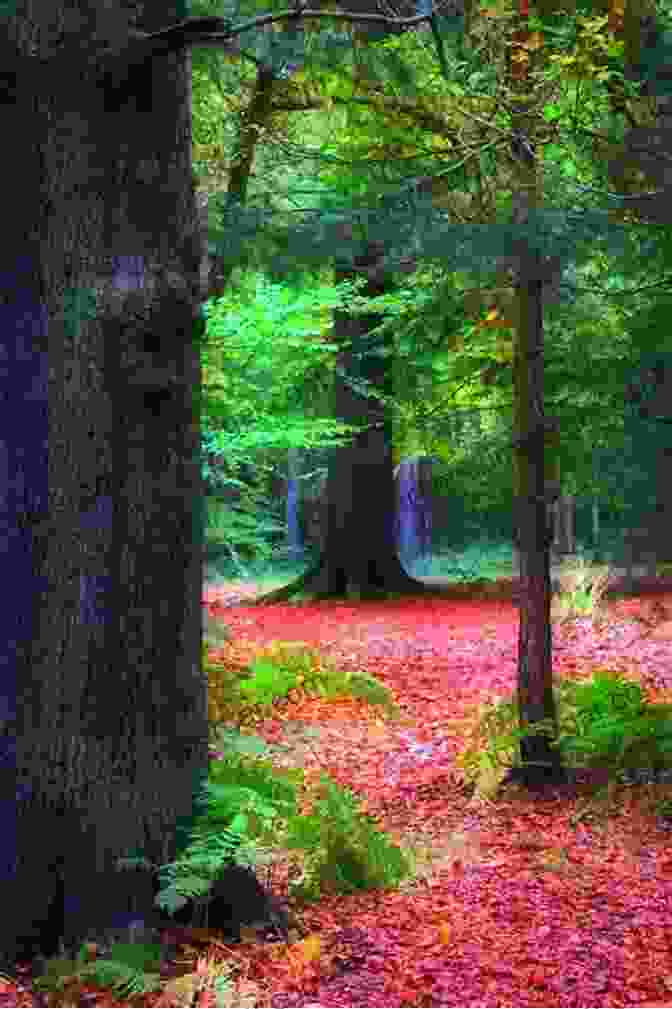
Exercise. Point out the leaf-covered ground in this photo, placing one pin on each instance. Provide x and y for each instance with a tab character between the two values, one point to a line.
518	907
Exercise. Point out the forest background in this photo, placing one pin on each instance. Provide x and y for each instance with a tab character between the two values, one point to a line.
450	331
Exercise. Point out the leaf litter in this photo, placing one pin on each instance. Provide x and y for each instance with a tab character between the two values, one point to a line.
515	903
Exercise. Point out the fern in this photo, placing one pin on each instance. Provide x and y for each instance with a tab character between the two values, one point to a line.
346	851
125	980
605	720
131	969
371	690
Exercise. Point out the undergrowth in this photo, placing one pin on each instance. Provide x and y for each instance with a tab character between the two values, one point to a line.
603	721
244	692
252	808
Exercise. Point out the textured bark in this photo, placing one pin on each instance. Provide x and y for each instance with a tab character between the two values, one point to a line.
100	276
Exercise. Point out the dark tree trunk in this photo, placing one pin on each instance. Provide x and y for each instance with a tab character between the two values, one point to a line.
359	556
100	291
541	761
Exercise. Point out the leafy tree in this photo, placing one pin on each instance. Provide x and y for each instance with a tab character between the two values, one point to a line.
266	363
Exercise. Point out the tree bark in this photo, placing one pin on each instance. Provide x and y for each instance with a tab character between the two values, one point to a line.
359	557
541	764
100	273
541	761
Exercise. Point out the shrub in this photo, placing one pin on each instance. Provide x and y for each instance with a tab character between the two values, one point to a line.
644	740
604	720
251	808
345	850
582	588
285	666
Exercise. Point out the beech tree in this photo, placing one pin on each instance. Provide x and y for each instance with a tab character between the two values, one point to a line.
104	702
359	555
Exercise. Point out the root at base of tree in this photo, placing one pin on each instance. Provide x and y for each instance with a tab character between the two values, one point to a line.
325	580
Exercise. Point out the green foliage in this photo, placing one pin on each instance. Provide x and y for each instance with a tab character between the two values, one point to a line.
245	528
267	683
286	666
243	801
604	720
223	686
345	850
358	147
130	969
267	365
266	356
612	723
246	795
492	744
369	689
605	695
246	801
664	809
252	807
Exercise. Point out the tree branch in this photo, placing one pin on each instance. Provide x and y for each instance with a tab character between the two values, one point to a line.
220	31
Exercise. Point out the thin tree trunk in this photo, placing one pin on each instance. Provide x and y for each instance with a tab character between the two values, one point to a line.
541	764
563	512
595	516
100	283
252	122
294	539
541	761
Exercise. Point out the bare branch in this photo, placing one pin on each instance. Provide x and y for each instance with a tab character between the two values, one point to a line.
200	31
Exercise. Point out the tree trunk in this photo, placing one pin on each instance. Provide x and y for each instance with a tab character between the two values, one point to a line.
359	557
100	275
564	542
541	764
595	522
294	540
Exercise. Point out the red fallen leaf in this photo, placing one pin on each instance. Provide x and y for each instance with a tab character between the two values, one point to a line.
537	978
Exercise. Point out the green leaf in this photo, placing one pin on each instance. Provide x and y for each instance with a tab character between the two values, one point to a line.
550	113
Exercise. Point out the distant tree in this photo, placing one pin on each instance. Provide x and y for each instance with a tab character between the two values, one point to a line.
359	554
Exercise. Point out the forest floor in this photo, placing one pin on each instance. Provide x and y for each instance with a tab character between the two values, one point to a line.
520	906
518	902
